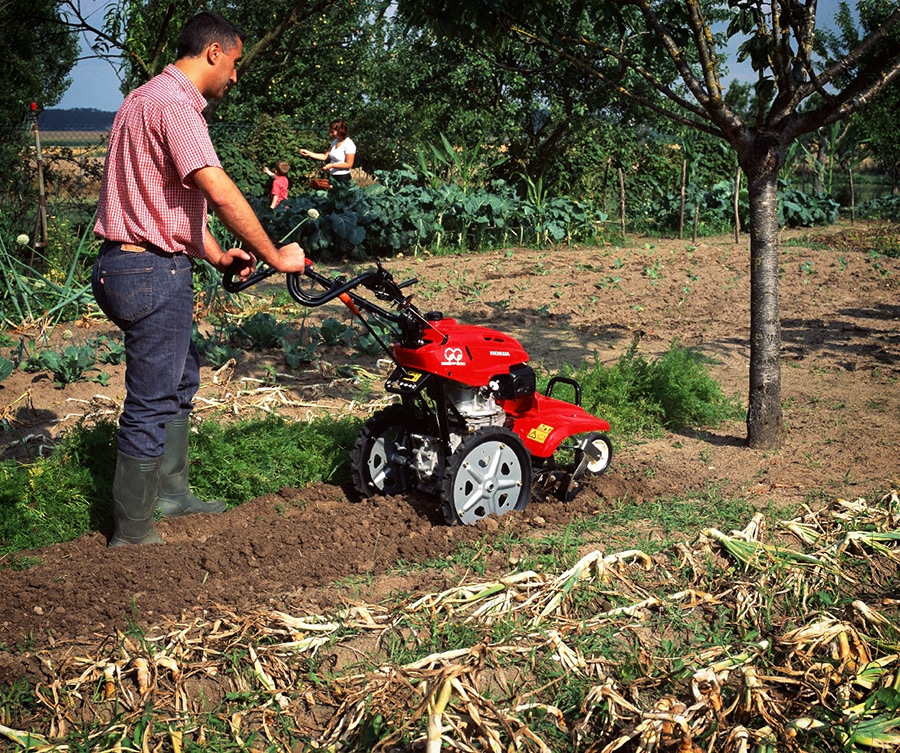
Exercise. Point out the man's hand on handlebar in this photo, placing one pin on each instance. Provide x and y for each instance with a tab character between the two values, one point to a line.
290	258
238	262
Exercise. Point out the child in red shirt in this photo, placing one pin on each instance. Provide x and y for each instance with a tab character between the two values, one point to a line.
279	182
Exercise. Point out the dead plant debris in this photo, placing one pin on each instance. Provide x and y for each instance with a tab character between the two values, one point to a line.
367	678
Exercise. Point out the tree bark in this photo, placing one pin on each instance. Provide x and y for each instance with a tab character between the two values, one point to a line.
764	416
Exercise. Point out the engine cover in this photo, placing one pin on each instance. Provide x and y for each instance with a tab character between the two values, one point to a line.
518	382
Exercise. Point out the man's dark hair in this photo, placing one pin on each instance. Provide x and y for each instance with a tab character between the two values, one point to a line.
202	30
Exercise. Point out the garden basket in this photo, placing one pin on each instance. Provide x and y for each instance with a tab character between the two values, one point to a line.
319	184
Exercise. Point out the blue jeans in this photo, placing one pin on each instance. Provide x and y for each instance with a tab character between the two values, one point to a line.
149	296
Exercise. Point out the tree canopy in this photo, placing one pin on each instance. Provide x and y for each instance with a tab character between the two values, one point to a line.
39	54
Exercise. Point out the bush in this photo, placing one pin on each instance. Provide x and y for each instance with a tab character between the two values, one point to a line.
716	209
641	398
882	208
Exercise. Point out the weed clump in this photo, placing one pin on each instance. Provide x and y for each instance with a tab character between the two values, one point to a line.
641	397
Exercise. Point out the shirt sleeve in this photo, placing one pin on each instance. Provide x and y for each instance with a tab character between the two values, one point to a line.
187	135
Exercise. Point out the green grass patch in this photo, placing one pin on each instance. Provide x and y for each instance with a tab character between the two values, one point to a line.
63	496
59	498
263	456
679	516
651	526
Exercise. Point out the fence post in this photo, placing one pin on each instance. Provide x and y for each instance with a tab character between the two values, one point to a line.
40	222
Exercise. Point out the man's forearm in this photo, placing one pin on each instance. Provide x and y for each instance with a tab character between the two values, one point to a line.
212	250
228	204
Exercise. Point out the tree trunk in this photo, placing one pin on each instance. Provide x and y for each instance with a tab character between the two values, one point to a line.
764	417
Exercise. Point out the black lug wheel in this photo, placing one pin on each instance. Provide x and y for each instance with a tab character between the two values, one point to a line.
381	457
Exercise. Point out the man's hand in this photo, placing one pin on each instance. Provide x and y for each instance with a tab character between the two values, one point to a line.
291	258
239	262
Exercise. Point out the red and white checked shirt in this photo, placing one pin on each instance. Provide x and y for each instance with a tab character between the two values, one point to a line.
158	139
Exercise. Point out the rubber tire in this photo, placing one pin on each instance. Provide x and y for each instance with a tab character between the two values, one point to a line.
486	447
606	460
391	425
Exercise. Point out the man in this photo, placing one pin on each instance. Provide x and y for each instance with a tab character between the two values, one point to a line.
160	176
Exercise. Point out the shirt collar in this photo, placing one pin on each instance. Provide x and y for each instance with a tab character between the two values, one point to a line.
197	99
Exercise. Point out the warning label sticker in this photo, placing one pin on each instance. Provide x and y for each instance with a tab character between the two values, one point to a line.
540	433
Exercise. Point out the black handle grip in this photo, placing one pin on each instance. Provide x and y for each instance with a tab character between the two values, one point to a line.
234	284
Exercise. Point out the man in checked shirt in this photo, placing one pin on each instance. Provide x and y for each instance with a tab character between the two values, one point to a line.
161	175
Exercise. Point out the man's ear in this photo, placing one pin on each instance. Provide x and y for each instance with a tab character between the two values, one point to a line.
213	53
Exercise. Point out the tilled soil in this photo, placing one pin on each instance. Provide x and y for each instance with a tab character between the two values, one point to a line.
312	549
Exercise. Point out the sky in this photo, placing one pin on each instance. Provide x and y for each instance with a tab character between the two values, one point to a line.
95	85
94	81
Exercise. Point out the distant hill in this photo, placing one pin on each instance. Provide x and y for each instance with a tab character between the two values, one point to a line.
76	119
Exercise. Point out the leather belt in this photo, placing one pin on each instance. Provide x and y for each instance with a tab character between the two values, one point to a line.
137	248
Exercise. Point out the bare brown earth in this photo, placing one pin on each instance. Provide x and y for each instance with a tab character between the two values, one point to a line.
300	548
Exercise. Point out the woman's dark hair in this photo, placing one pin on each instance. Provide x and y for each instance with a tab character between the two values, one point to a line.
204	29
340	125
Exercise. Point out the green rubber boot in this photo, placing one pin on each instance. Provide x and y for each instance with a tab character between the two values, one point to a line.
134	497
174	497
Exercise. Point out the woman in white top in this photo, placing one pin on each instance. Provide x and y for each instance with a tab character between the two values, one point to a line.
340	155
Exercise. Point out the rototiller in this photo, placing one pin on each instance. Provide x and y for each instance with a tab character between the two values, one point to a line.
470	427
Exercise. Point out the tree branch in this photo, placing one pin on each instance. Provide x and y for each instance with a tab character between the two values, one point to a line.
864	48
865	87
626	63
299	12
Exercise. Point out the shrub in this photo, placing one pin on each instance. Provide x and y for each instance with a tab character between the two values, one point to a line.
883	208
641	397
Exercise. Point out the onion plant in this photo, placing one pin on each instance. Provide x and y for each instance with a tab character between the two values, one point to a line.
33	290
